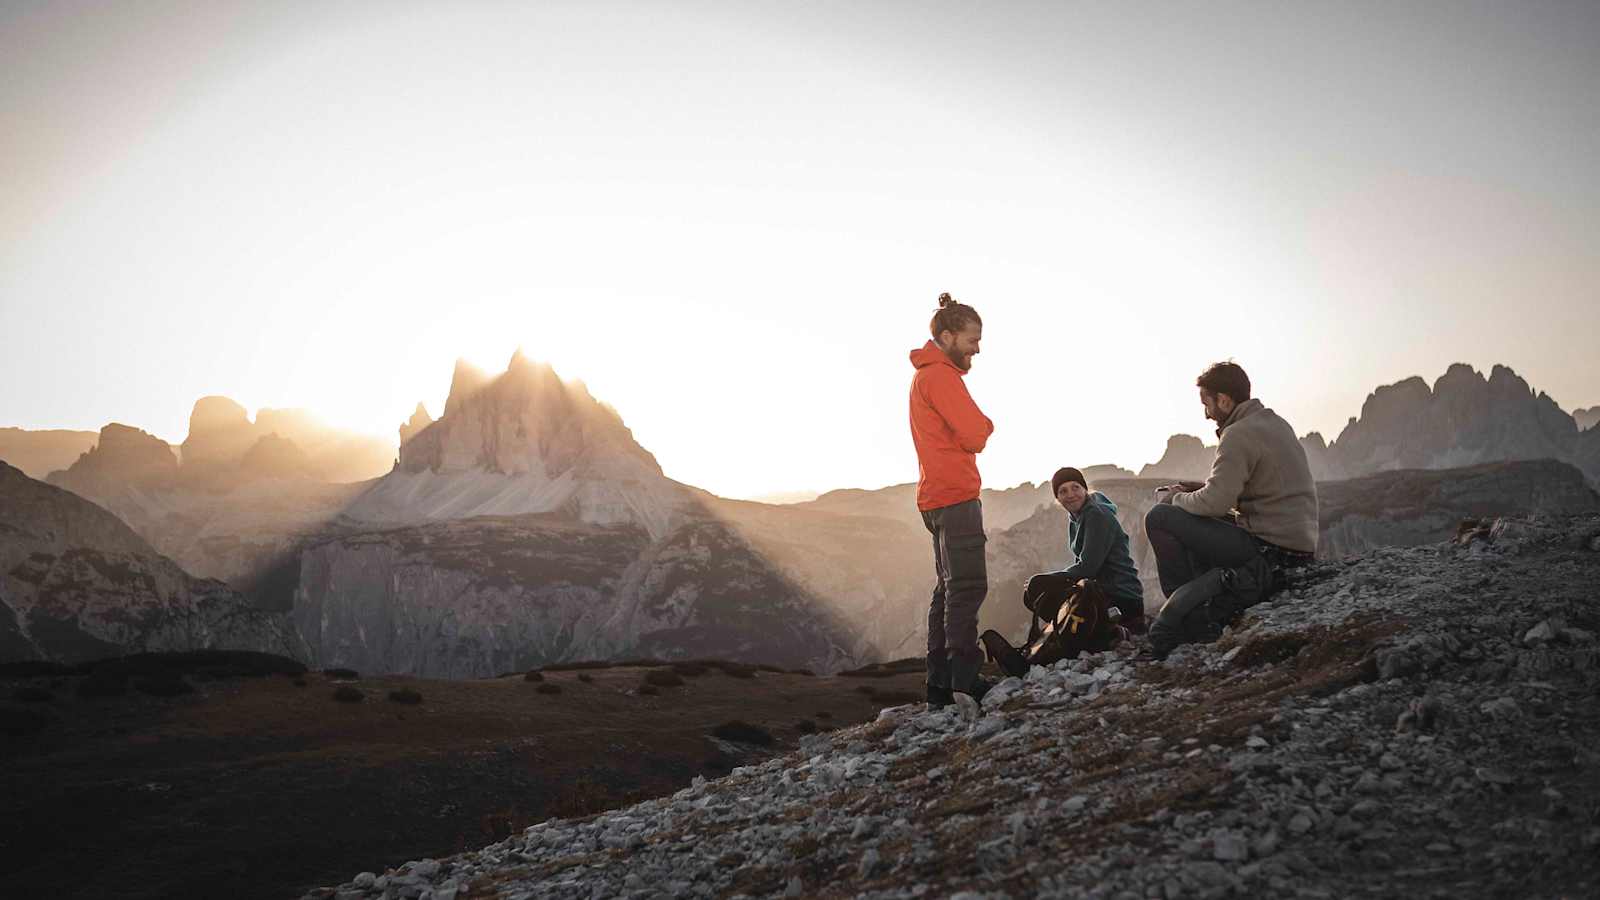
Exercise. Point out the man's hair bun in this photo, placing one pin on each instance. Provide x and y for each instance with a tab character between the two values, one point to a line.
952	315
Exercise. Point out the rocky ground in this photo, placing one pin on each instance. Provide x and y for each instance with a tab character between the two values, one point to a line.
1417	722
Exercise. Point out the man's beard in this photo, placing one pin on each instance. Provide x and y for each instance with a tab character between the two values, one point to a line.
963	361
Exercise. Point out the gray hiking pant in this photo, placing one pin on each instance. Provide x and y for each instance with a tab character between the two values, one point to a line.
963	580
1186	545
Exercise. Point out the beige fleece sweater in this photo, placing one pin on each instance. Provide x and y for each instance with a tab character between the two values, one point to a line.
1260	472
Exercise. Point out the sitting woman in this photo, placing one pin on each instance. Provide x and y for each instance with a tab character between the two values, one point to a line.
1100	545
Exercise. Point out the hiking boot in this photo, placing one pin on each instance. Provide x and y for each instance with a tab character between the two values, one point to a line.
964	678
938	682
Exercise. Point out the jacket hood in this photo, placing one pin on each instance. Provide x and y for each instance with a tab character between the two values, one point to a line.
1098	499
929	354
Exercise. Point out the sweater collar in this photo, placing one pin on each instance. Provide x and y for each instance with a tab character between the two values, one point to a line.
1243	410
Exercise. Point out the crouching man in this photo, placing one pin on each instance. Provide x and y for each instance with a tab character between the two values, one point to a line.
1217	544
1099	545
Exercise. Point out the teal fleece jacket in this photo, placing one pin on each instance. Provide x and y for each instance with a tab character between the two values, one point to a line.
1101	546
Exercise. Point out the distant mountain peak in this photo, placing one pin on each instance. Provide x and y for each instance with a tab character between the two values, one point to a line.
519	442
1465	419
1186	457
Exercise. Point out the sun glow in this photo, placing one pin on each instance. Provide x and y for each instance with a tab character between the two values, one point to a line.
732	227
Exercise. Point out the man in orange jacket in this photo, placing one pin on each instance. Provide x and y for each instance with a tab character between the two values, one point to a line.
949	431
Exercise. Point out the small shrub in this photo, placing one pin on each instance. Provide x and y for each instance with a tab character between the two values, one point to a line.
406	696
348	694
649	690
163	686
32	694
103	685
806	726
689	669
662	678
549	687
743	732
585	677
533	676
342	674
720	764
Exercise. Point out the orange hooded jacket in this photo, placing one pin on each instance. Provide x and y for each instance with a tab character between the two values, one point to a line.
948	429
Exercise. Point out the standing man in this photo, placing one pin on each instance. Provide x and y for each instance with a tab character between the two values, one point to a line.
1260	497
949	432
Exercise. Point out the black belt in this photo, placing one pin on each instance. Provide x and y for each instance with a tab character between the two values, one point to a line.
1283	557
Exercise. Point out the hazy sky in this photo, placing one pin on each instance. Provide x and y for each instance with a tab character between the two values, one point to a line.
731	219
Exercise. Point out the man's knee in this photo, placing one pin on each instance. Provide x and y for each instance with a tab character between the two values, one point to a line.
1161	516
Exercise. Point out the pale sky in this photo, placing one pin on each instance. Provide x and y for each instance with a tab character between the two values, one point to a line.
731	219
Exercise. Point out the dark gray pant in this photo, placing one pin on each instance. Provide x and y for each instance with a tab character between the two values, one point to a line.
1186	545
963	575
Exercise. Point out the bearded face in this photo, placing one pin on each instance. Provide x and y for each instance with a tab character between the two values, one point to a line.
961	346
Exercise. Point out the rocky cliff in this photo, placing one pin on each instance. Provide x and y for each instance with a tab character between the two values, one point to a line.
526	526
1418	506
121	457
212	523
77	584
490	594
38	453
226	448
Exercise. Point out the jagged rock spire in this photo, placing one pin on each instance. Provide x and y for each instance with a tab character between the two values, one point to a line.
413	426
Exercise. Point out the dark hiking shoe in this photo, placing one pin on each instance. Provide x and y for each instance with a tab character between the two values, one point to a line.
1150	652
964	678
939	697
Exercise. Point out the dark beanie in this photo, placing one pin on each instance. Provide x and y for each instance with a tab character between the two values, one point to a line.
1063	475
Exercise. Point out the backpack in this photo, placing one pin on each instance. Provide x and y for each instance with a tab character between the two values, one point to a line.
1080	621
